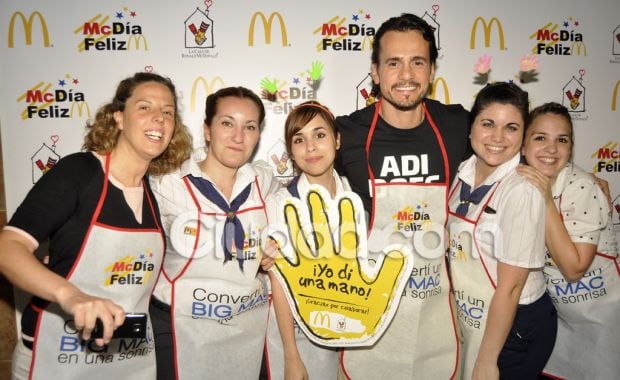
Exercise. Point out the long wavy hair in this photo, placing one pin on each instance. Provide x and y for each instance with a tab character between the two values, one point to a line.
102	134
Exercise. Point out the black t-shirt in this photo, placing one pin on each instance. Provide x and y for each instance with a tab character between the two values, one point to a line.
60	207
411	155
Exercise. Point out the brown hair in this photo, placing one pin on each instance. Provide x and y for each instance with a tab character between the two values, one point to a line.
554	109
102	134
302	115
235	92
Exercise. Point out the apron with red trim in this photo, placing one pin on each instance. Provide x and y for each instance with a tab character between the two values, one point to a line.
219	306
421	340
121	264
588	318
472	284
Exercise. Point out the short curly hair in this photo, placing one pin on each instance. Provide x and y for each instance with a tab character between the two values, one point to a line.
102	134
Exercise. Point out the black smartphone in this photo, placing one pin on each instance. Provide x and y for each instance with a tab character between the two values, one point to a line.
133	327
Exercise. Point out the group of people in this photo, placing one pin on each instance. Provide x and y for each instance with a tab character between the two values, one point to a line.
140	223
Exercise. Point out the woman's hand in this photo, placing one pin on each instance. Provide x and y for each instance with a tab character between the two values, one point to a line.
86	309
604	185
270	251
294	369
485	371
538	180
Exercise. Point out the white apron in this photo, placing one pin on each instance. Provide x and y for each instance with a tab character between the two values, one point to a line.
121	264
469	273
421	341
320	362
588	319
219	311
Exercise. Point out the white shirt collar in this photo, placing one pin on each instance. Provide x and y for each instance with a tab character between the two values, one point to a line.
467	171
303	185
245	174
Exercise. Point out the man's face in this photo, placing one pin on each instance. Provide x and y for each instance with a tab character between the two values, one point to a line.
404	71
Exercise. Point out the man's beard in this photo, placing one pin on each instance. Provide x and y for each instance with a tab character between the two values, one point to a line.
406	105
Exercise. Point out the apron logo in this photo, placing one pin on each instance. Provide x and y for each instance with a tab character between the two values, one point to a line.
590	287
130	270
456	250
409	220
470	310
222	306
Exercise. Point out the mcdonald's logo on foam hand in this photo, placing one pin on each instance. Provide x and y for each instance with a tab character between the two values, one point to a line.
27	26
267	27
320	319
444	85
209	88
486	27
614	96
136	38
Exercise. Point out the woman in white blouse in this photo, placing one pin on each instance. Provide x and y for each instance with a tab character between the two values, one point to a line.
209	306
582	268
496	225
312	142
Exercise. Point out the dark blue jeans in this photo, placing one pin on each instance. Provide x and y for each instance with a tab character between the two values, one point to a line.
530	341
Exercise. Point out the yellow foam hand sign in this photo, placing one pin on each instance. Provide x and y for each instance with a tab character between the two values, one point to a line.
337	297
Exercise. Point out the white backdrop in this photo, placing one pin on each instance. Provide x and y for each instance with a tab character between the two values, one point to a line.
60	60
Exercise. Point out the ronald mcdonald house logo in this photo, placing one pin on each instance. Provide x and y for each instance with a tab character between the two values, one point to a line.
342	34
607	158
119	31
574	96
19	21
559	39
198	30
61	100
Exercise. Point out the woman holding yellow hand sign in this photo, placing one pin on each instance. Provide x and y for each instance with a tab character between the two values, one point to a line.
312	142
497	238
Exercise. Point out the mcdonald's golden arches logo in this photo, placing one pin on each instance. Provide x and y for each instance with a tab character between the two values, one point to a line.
209	88
576	48
320	319
79	106
444	86
267	27
27	25
486	31
614	96
136	38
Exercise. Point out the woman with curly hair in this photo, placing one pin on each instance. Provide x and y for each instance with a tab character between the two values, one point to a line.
105	241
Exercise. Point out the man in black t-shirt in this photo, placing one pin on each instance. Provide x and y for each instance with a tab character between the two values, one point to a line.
400	155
